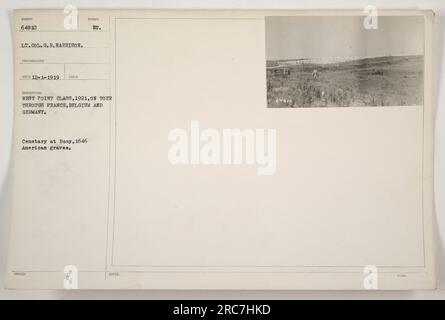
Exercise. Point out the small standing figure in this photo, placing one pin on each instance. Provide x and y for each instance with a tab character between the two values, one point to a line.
315	74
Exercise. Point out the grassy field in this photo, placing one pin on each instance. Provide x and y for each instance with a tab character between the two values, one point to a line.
380	81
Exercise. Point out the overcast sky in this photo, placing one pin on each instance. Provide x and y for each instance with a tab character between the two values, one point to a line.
316	37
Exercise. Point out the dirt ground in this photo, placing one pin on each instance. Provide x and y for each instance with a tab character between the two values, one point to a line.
381	81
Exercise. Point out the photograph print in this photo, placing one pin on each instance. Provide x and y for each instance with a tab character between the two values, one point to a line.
334	61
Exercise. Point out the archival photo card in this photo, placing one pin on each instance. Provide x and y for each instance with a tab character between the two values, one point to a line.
146	155
339	61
